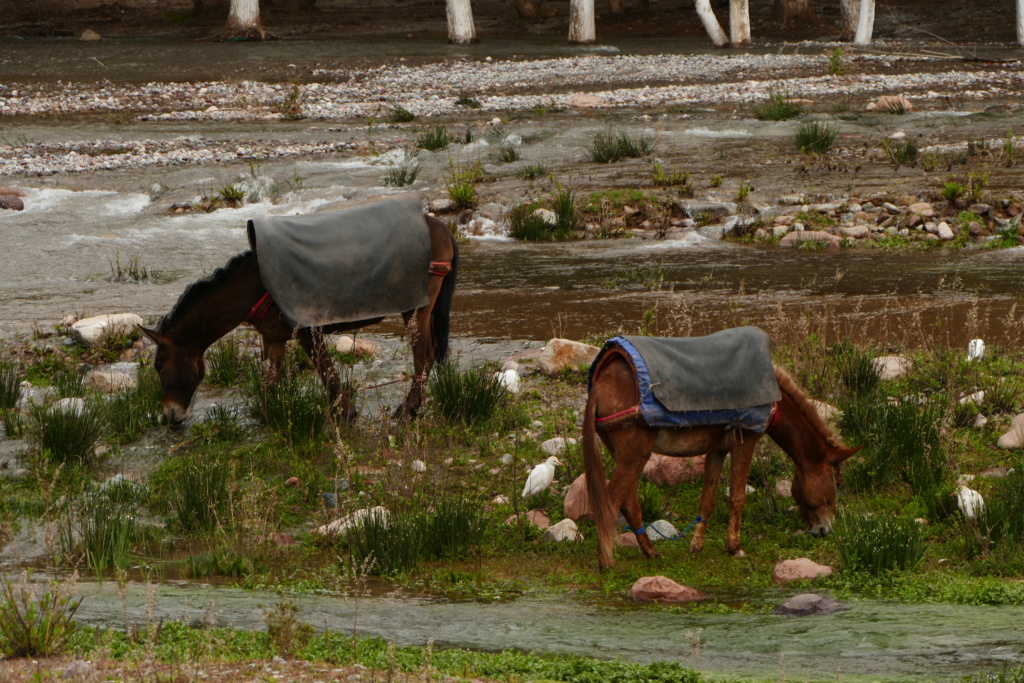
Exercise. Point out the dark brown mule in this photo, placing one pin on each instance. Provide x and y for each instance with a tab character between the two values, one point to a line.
210	308
796	427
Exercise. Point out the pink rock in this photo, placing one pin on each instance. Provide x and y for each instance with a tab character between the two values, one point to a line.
627	540
577	500
292	481
11	202
281	540
539	518
559	354
798	569
584	100
12	191
669	471
664	590
893	103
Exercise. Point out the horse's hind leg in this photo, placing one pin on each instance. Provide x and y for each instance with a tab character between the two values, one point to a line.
712	473
313	342
418	325
742	454
632	448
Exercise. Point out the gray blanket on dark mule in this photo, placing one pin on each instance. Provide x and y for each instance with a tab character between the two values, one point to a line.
730	369
359	263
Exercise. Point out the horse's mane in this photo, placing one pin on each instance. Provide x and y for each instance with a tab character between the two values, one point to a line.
199	290
806	406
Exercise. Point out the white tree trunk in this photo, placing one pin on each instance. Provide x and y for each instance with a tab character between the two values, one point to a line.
244	22
866	24
1020	22
582	29
711	25
739	23
461	29
851	17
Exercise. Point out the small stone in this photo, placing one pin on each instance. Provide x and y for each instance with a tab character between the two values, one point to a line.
979	421
556	445
357	347
499	500
807	604
893	104
944	231
292	481
800	569
418	466
442	205
661	530
96	330
281	540
783	488
663	590
11	202
559	354
112	378
90	36
546	215
891	367
565	530
1014	438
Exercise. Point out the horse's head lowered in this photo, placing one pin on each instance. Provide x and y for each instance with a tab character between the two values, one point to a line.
181	369
814	488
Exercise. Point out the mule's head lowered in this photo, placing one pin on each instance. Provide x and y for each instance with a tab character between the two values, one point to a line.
181	369
815	449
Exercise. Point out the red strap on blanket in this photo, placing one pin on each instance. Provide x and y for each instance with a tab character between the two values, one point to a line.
260	310
440	268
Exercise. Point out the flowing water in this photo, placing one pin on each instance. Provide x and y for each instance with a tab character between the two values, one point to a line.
872	641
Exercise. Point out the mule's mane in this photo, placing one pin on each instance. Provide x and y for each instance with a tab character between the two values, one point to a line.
198	291
806	406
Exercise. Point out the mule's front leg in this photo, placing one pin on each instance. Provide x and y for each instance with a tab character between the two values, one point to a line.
316	348
713	463
742	455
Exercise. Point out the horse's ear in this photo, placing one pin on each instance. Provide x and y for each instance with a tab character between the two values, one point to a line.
157	337
844	453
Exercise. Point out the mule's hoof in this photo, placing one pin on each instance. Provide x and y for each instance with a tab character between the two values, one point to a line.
696	548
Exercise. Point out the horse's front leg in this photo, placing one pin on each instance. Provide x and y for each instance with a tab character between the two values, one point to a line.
713	464
313	342
742	455
417	323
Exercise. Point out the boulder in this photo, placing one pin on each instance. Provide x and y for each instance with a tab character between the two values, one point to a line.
357	347
855	231
96	330
114	377
796	238
585	100
556	445
538	518
343	524
669	471
90	36
442	205
577	500
1014	438
563	531
784	488
800	569
664	590
893	104
944	231
559	354
418	466
923	209
627	540
12	192
11	202
806	604
891	367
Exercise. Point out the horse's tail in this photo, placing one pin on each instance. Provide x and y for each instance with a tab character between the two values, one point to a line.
597	488
440	316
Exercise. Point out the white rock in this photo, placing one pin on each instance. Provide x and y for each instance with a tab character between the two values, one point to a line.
1015	437
358	347
343	524
556	445
976	397
500	500
891	367
559	354
784	488
114	377
418	466
95	330
566	530
944	231
442	205
506	458
661	530
546	215
980	421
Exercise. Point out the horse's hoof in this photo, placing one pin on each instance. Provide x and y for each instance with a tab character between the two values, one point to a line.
739	553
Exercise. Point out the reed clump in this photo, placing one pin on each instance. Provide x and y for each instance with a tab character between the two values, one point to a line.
469	397
878	543
615	145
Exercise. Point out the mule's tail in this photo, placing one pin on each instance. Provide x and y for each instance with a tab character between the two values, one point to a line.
597	488
440	316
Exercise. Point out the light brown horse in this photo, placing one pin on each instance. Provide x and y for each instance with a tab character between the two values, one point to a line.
210	308
796	427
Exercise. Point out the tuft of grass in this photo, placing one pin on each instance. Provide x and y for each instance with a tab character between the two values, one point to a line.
776	108
66	435
716	180
10	384
232	194
531	172
671	178
743	191
399	114
508	152
386	544
464	100
1004	508
200	494
133	271
835	62
879	543
470	397
952	190
815	137
566	214
295	407
611	146
35	620
527	226
400	176
226	364
434	138
650	277
857	370
455	527
461	183
131	412
101	531
900	152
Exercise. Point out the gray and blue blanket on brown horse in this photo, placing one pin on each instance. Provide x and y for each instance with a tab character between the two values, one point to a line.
725	378
360	263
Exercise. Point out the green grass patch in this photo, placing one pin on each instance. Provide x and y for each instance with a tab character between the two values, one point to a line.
776	108
815	137
615	145
470	397
434	138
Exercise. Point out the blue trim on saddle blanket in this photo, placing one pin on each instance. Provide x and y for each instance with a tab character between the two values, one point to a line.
755	418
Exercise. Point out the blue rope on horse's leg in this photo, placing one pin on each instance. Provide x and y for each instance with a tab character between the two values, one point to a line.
643	529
